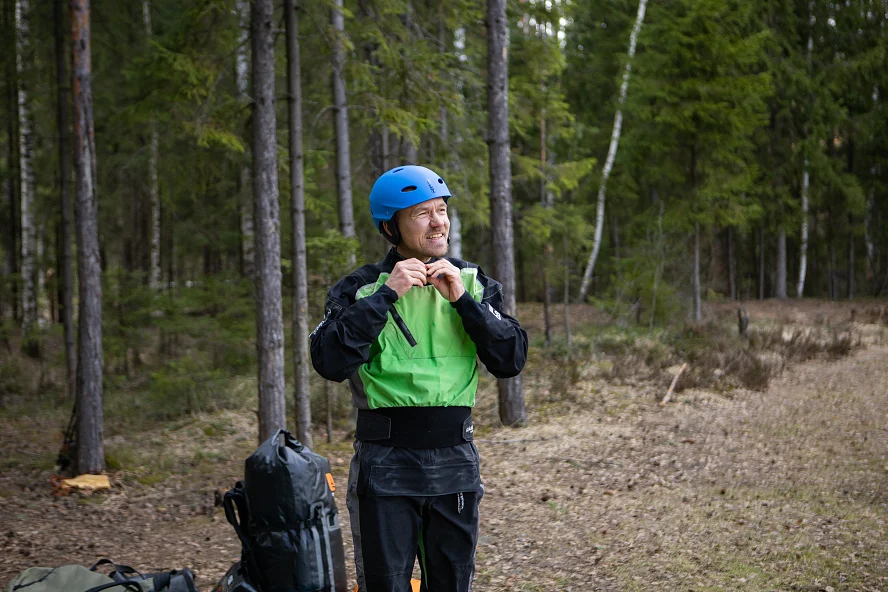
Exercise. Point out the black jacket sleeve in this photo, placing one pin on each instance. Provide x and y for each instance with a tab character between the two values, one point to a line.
341	343
501	342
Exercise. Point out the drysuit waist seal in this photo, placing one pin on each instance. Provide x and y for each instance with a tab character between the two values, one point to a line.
416	427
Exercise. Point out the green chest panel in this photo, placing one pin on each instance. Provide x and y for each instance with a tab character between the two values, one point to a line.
440	370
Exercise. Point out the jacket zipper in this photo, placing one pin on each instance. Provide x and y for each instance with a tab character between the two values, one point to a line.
403	327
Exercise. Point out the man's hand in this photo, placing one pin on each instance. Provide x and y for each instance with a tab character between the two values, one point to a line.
405	275
446	278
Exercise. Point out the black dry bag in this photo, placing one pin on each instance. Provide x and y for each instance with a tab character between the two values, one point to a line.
286	518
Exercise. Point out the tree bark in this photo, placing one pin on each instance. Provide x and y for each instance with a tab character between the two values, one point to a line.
266	213
780	288
12	157
297	218
612	152
762	262
803	249
154	270
511	396
851	265
66	300
340	109
26	173
90	362
732	265
697	305
247	232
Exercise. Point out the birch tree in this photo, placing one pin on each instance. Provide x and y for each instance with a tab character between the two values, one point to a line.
90	362
297	219
66	301
340	116
26	174
806	179
511	396
612	152
266	212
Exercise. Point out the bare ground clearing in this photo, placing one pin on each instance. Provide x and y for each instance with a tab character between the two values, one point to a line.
781	490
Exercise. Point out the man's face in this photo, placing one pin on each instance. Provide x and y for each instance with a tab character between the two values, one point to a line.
424	230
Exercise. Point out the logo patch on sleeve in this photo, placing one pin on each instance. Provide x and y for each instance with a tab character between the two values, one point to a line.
494	312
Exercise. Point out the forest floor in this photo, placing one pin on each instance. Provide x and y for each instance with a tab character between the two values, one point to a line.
785	489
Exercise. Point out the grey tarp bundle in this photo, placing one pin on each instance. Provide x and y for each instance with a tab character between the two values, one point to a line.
287	519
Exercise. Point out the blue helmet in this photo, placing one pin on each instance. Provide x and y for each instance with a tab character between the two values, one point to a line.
402	187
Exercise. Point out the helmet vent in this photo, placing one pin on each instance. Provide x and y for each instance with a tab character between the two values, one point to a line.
440	180
408	189
398	170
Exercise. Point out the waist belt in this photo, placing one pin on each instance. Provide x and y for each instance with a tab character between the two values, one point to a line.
416	427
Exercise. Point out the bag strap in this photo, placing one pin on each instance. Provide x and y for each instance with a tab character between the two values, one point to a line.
325	528
236	499
119	571
134	584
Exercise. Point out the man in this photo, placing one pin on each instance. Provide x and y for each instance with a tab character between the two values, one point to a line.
405	332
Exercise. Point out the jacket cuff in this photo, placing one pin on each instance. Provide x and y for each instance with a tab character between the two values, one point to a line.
465	304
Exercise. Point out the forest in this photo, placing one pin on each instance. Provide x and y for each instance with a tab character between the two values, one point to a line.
181	183
178	178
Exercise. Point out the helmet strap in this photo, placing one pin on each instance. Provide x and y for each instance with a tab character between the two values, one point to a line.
394	236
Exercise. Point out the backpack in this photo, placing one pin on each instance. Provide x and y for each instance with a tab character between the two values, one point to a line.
286	519
77	578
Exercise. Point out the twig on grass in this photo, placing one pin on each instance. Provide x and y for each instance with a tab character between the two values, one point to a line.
518	440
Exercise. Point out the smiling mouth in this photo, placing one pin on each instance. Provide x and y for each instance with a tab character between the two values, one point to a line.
435	236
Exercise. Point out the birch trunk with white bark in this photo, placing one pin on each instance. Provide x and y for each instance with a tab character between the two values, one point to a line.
26	172
611	153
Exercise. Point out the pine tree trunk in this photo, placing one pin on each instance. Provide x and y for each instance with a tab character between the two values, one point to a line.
90	361
732	266
780	288
659	271
66	300
266	212
455	249
803	249
247	232
297	219
762	262
851	266
567	331
511	396
26	174
612	153
697	304
154	270
340	108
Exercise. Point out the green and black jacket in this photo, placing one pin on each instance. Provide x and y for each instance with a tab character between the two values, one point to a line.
419	350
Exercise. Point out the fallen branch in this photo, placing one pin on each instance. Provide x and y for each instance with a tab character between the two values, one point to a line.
672	386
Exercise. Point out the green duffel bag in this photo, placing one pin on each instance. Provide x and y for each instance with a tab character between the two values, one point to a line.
77	578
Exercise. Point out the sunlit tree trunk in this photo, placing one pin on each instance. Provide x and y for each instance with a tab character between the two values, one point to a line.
66	300
11	232
90	361
266	213
297	219
803	248
511	395
611	153
340	109
26	172
241	64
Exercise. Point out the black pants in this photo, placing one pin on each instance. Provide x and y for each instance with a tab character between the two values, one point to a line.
406	504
